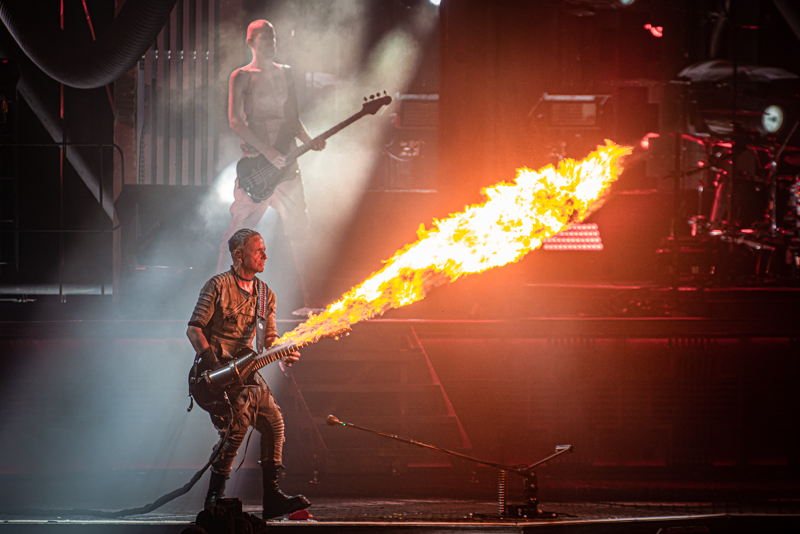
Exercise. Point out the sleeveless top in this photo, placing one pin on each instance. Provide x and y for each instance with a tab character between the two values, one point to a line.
270	100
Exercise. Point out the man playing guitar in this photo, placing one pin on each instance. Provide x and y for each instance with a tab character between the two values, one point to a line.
234	309
262	108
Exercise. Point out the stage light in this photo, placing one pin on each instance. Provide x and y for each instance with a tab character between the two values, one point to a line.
224	185
645	142
657	31
435	2
580	236
772	119
626	2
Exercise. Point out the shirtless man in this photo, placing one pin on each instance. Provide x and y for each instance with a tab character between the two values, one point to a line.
262	105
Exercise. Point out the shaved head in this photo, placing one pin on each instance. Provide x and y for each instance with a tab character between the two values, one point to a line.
258	27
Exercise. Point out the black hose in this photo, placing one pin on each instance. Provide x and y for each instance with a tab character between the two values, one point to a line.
82	65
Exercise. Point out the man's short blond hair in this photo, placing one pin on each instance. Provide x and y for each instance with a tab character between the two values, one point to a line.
258	27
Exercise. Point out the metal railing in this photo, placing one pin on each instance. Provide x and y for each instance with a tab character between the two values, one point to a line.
102	189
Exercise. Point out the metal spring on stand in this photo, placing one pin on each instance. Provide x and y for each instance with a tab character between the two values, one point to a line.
501	492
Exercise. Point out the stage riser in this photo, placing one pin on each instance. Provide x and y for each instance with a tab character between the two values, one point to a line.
627	402
647	393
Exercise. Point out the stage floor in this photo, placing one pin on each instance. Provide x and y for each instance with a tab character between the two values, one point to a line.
448	515
714	380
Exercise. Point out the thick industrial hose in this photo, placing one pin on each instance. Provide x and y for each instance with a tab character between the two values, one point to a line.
87	65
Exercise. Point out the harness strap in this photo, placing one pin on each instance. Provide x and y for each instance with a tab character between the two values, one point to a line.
261	320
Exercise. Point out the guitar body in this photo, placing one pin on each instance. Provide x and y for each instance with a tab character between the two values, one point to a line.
213	398
259	178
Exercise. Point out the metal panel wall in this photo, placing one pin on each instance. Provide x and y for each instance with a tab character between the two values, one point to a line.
177	97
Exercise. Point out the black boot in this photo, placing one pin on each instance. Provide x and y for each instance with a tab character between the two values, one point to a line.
276	503
216	489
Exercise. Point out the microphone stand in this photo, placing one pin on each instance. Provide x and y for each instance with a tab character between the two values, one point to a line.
528	510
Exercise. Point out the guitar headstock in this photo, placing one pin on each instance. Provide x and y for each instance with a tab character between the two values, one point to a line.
375	102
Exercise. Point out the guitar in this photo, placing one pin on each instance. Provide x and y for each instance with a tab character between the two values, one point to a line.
209	386
259	178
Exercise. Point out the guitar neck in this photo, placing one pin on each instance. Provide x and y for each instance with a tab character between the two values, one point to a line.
272	355
302	149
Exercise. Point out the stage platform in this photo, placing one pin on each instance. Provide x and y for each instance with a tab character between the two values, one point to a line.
681	406
334	515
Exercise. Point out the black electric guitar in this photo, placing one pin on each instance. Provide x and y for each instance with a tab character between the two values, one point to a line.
259	178
209	386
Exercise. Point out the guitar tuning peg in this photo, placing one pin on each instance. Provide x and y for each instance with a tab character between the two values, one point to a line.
365	99
384	93
372	97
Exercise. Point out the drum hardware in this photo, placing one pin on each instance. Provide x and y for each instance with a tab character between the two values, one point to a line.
698	222
748	199
744	206
742	239
773	166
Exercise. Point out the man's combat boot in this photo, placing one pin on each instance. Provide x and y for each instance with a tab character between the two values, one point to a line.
276	503
216	489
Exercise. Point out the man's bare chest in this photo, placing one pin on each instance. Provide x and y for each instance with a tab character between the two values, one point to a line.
267	93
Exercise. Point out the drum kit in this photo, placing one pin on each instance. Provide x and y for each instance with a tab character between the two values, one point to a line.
748	191
750	194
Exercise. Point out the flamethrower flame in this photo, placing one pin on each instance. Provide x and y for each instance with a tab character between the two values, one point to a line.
514	220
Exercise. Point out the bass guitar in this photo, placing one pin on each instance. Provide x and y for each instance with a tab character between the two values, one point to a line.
259	178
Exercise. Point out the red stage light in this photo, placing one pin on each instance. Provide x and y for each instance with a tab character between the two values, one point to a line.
645	142
657	31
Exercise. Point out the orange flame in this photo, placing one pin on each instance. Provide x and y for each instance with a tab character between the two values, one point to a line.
514	220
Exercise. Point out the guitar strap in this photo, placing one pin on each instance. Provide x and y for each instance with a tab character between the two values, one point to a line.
261	319
291	112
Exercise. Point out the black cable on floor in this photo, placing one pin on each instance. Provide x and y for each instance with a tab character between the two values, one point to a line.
158	503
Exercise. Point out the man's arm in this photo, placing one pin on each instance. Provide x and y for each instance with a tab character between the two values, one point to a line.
306	138
239	125
201	346
197	339
202	313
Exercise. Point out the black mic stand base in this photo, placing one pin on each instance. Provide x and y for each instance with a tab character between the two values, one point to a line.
528	510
